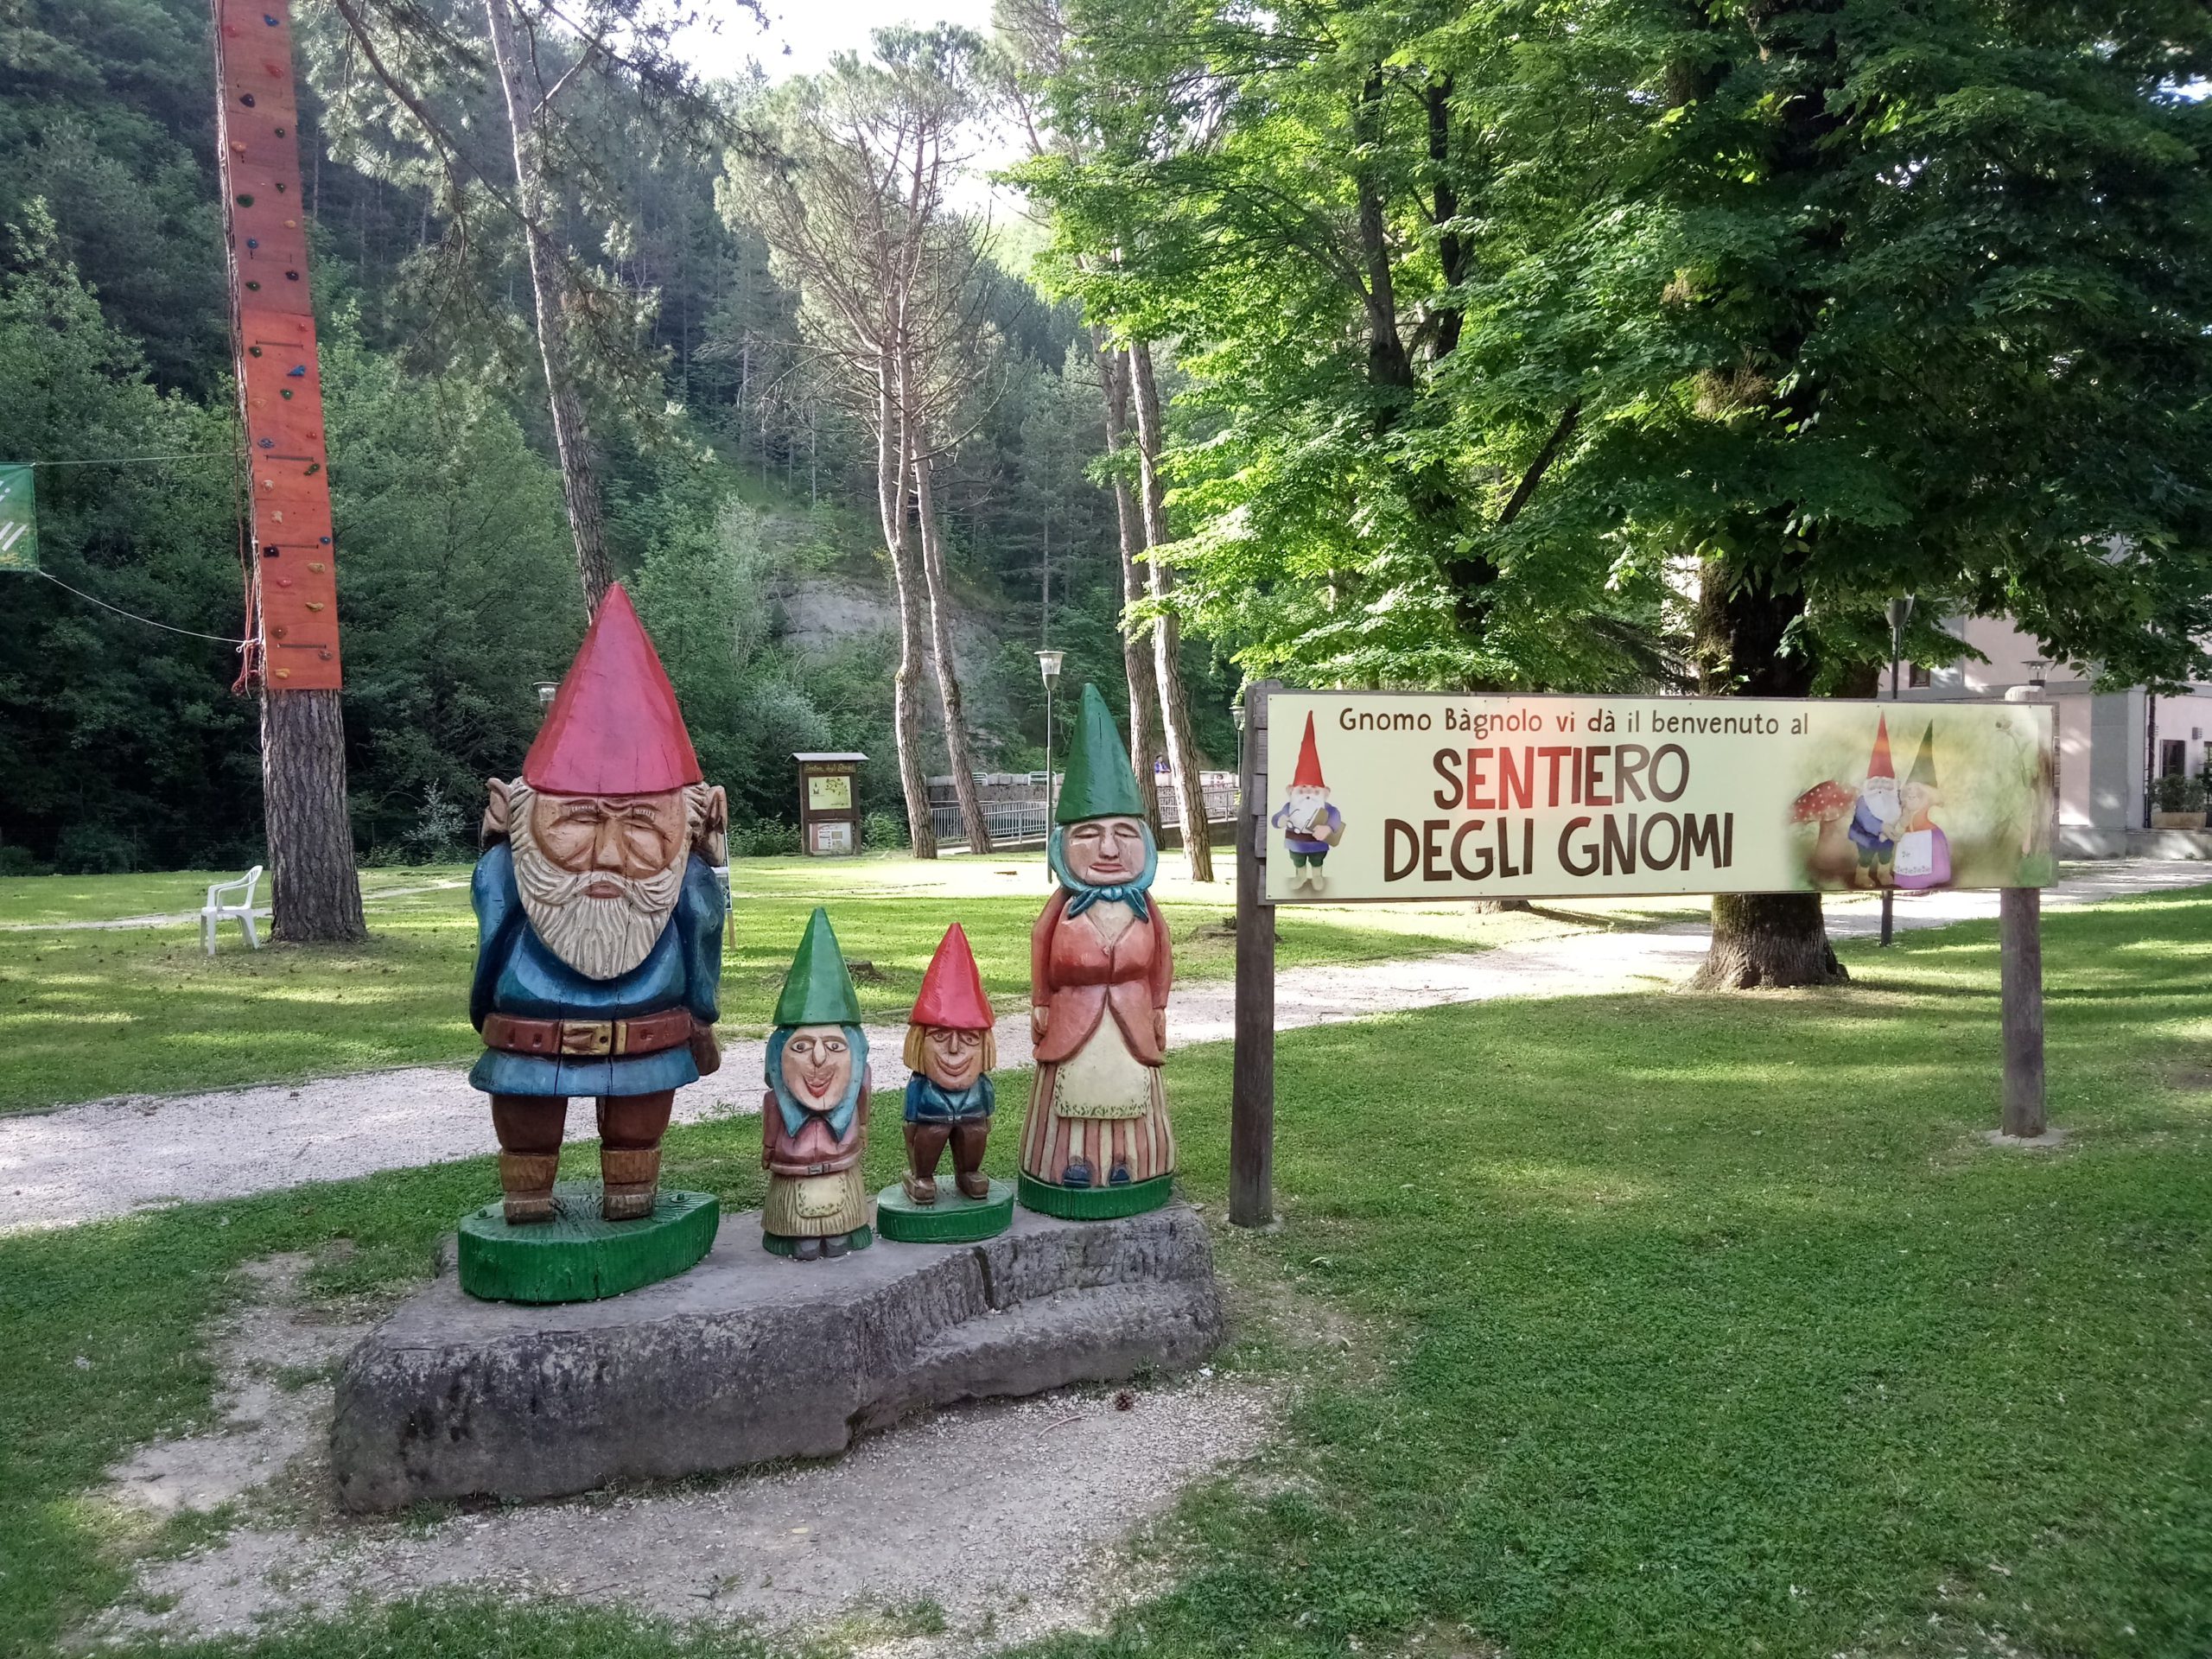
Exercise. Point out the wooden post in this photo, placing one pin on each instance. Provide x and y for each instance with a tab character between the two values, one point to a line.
1252	1099
2020	947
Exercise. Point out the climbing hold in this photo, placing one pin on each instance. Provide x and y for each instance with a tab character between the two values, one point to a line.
253	351
291	275
285	392
297	372
253	242
271	551
237	147
324	540
314	467
256	286
283	673
268	444
291	224
245	201
280	132
314	605
246	98
280	187
317	565
267	19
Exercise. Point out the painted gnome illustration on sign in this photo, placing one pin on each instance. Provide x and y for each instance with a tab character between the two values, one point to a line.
814	1117
1874	819
1922	860
1098	1142
951	1051
599	925
1310	825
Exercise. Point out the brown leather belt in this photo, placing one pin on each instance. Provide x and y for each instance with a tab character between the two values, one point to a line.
580	1040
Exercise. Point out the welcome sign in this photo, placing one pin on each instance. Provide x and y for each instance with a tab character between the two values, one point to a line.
1425	796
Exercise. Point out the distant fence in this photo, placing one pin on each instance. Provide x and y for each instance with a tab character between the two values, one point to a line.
1013	804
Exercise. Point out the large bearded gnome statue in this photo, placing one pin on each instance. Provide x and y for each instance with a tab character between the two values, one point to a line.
1098	1143
599	925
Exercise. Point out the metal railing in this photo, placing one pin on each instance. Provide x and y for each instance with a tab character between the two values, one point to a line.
1013	805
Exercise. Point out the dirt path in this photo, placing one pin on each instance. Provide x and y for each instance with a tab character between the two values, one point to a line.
108	1158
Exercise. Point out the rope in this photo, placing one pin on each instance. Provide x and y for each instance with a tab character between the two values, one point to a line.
125	460
191	632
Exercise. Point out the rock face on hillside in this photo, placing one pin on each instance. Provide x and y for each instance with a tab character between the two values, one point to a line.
822	613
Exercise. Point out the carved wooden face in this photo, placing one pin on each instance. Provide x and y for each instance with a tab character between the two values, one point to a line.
1106	852
631	836
951	1059
818	1066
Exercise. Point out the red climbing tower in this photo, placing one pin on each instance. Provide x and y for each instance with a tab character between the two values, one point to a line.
294	623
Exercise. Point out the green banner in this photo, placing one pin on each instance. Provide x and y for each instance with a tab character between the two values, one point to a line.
18	520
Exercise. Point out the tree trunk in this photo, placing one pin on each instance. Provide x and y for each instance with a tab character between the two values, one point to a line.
317	894
1166	635
948	670
1136	649
1769	940
905	725
548	290
1759	939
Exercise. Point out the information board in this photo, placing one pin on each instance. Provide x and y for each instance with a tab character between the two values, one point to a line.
1426	796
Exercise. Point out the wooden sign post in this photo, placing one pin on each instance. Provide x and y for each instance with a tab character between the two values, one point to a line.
1435	796
1252	1092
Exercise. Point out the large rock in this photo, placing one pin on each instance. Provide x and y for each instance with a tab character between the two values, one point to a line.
751	1357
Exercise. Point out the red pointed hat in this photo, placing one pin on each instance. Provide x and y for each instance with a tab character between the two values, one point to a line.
1879	766
952	991
1308	775
614	728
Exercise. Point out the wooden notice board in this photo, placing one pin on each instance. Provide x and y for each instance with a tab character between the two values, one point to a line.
829	804
294	573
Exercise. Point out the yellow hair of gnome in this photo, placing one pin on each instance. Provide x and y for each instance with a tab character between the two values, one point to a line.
914	1036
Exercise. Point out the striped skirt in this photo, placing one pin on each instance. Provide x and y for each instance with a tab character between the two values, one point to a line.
815	1206
1103	1107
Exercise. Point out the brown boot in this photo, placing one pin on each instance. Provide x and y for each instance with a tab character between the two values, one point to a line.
924	1146
631	1180
529	1128
969	1136
526	1179
630	1128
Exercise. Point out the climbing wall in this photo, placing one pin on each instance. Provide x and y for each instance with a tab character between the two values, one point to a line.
293	580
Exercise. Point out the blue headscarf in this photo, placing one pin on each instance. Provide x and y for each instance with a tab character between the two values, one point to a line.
794	1115
1129	892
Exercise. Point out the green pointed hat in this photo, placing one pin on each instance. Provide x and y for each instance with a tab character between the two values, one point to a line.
818	991
1923	764
1099	782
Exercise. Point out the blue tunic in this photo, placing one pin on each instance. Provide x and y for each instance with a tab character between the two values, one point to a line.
927	1102
517	975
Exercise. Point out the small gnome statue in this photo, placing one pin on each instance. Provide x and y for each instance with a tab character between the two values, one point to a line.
1310	825
951	1051
599	925
814	1117
1098	1142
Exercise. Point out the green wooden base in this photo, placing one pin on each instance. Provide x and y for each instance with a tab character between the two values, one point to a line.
777	1244
953	1219
577	1257
1096	1203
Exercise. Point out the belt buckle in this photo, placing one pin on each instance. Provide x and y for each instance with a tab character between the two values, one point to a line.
586	1037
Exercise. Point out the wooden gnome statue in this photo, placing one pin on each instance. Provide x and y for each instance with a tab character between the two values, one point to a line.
814	1117
599	925
951	1050
1097	1143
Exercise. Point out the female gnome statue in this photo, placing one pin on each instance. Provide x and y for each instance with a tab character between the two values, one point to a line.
1098	1142
814	1117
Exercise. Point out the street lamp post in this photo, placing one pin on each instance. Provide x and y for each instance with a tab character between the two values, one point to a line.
1899	612
1048	666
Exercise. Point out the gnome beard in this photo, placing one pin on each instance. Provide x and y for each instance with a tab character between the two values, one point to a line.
599	937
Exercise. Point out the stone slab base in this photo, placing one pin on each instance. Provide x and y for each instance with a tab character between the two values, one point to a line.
955	1218
751	1357
576	1256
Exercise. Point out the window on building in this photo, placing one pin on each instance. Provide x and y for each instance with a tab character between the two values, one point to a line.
1917	674
2173	757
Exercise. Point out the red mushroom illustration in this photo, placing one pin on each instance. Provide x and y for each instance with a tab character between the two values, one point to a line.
1828	803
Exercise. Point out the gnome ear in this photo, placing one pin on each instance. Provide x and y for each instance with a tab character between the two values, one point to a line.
496	808
712	837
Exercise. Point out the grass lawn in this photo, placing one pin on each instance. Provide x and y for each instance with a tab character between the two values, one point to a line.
90	1013
1701	1326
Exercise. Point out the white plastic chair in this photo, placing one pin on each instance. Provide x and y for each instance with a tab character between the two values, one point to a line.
215	910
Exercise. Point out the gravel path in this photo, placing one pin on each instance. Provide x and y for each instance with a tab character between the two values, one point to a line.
108	1158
